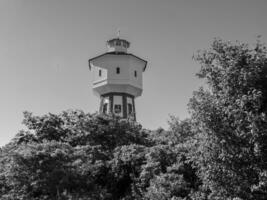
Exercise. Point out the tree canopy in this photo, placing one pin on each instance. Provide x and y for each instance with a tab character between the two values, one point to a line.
229	120
75	155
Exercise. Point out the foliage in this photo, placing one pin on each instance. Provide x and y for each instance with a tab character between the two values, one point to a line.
75	155
229	120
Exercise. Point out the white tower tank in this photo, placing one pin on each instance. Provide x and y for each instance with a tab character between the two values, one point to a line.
117	79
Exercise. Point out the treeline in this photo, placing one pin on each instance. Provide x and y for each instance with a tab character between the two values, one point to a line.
219	153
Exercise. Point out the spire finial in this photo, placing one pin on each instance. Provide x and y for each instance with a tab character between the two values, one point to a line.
118	32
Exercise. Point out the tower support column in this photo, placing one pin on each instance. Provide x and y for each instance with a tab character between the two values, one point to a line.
124	106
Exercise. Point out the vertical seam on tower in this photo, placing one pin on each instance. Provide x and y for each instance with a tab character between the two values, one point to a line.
111	104
124	104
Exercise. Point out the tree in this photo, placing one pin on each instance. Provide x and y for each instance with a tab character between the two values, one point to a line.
66	156
74	155
230	122
168	172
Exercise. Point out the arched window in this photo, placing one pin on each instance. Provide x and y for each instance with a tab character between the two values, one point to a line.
135	73
118	70
130	108
100	73
117	108
105	108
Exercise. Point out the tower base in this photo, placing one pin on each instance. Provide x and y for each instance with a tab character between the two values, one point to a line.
118	104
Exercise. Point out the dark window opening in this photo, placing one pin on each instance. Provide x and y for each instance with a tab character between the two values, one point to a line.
100	73
117	109
118	70
130	108
135	73
105	108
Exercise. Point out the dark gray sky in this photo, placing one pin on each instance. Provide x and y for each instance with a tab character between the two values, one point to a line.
45	47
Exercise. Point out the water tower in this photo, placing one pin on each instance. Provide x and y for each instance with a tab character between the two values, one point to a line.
117	79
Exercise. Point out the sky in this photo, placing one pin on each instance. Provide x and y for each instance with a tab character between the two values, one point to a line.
45	47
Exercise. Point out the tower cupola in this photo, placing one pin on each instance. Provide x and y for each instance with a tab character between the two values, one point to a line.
118	45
